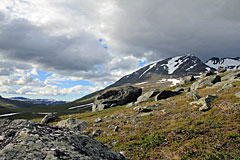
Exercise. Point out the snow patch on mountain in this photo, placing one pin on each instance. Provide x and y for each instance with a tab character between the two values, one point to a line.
229	63
149	68
174	63
191	67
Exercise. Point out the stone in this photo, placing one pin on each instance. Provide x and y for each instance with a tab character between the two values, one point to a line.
1	138
165	94
96	133
210	80
187	79
142	109
73	124
203	103
221	69
116	129
130	105
49	142
146	96
193	94
237	94
117	96
98	120
145	114
50	118
208	73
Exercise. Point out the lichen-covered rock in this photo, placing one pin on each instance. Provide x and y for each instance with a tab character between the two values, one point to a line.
114	97
74	124
209	80
204	103
27	140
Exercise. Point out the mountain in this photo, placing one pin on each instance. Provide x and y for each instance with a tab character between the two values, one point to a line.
174	67
229	63
38	101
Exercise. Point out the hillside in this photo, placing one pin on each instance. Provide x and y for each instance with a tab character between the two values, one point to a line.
175	128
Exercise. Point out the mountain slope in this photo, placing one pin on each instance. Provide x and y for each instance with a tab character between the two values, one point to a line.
229	63
174	67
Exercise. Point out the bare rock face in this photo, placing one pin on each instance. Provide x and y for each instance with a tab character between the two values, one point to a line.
114	97
22	139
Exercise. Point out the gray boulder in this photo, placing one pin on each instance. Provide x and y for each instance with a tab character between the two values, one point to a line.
28	140
209	80
146	96
74	124
165	94
50	118
114	97
193	94
204	103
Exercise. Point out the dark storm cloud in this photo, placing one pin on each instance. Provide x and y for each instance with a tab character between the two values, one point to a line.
202	27
22	41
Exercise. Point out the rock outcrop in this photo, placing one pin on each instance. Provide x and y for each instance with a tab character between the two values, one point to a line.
22	139
114	97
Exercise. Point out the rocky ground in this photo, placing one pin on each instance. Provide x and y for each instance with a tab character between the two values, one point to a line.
21	139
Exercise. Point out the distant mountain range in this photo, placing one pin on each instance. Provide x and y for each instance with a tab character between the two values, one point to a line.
174	67
38	101
229	63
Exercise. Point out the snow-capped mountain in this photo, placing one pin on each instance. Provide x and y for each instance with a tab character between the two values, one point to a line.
229	63
174	67
38	101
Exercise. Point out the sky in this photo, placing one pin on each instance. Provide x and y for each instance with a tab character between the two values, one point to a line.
65	49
